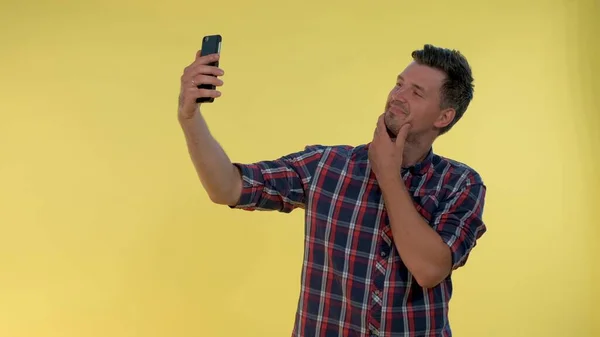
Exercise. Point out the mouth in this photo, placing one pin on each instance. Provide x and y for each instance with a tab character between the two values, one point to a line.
396	108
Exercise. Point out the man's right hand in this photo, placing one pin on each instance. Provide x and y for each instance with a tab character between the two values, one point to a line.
197	73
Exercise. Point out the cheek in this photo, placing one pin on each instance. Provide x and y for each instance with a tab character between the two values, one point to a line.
423	116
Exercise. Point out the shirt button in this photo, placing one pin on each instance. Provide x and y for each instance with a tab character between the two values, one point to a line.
383	253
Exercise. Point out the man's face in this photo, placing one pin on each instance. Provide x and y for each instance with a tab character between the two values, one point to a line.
415	99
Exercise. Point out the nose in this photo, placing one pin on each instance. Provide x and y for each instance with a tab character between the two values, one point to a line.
399	94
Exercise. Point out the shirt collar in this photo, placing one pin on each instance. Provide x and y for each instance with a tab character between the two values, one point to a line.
420	167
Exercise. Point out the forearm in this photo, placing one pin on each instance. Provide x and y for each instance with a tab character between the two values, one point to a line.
420	247
219	177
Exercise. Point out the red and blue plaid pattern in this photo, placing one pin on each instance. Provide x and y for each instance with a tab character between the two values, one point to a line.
353	280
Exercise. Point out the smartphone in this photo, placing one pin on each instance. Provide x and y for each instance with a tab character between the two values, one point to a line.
211	44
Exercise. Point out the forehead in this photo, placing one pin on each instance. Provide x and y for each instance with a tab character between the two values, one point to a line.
424	76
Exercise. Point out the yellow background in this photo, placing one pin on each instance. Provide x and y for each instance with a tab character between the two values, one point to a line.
106	231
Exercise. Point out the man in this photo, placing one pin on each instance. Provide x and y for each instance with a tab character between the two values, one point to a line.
386	222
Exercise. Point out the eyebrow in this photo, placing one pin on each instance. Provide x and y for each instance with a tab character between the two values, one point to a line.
418	87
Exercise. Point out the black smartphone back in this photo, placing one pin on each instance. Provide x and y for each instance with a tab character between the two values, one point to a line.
211	44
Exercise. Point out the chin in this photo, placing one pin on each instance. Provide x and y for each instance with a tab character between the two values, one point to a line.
391	124
391	133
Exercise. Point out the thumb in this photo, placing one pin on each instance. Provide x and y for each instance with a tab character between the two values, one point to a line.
402	134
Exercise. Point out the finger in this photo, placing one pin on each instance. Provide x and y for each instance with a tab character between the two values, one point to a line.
382	128
208	93
381	121
205	79
194	93
207	59
194	73
403	133
204	69
377	130
201	61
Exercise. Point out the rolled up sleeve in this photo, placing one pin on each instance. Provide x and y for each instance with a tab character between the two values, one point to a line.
459	221
279	185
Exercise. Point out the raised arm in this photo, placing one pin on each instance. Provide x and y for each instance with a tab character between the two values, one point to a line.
218	175
268	185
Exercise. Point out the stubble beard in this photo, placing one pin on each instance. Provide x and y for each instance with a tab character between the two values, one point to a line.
393	123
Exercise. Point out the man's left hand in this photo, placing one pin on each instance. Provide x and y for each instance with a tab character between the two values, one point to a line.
386	153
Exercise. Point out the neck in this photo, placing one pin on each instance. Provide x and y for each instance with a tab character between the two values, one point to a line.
415	152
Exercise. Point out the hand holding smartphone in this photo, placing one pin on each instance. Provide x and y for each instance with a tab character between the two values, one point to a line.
211	44
200	79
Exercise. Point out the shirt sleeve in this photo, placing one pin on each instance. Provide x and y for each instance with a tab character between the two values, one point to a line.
278	185
459	221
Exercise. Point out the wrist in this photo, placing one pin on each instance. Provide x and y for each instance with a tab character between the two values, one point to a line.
188	118
184	113
392	180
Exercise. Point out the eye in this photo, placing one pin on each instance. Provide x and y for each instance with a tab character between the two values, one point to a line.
417	94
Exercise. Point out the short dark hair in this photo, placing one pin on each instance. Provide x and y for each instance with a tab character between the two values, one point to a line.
457	89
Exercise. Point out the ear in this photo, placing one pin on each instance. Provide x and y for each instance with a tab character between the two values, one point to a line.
445	118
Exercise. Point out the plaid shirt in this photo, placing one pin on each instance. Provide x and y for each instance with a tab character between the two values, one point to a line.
353	280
